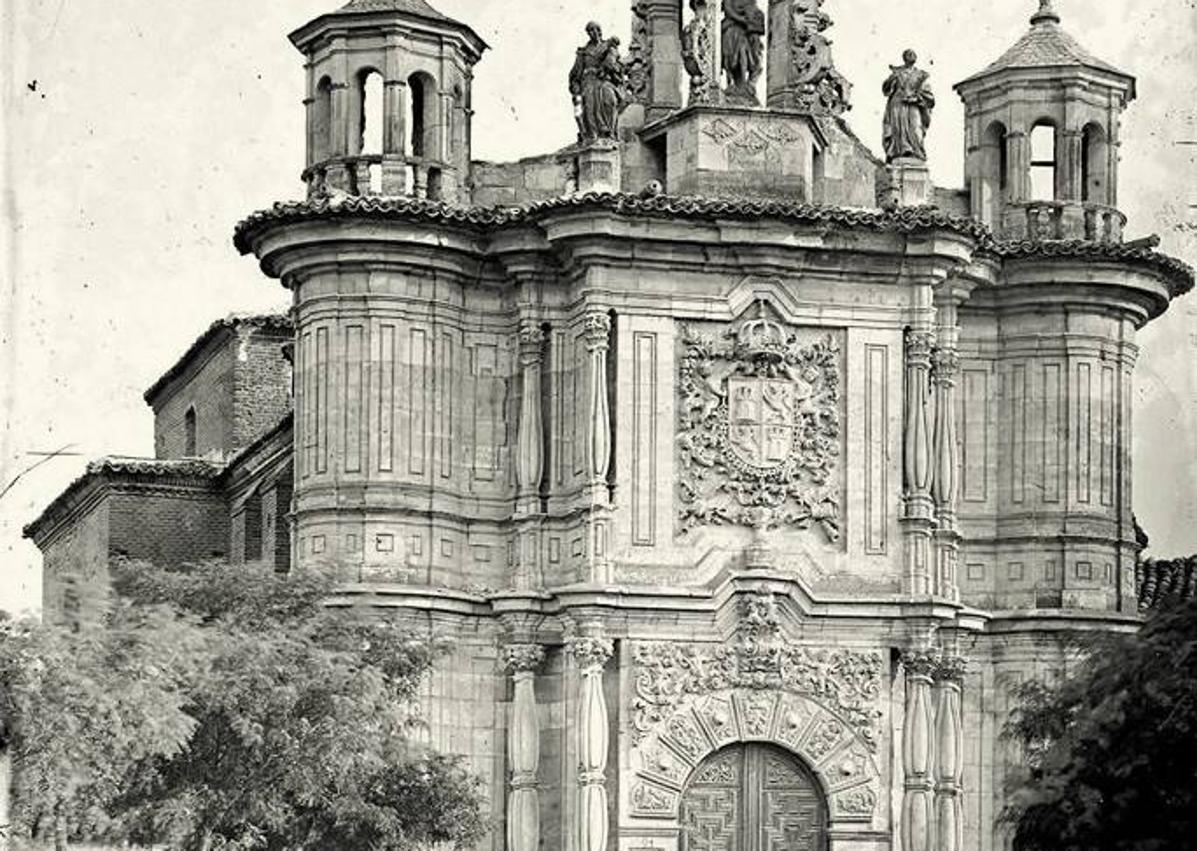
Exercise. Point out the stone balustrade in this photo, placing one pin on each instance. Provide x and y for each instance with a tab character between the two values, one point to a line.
376	174
1046	220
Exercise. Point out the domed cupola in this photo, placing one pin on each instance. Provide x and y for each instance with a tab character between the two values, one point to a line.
388	99
1041	126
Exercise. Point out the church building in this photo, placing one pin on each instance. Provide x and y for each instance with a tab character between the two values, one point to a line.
750	472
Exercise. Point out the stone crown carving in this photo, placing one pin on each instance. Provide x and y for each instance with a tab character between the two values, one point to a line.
759	428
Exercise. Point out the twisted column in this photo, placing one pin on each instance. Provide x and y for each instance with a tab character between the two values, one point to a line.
523	749
917	744
919	506
591	654
948	677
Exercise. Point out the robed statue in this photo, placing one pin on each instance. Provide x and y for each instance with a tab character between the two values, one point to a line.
743	32
908	110
597	85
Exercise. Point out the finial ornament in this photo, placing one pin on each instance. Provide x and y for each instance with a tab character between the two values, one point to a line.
1046	14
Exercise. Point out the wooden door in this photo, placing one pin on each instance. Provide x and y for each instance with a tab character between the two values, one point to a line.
752	797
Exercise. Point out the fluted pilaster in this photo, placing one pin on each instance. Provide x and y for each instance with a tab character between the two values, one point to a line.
918	785
948	678
591	654
523	749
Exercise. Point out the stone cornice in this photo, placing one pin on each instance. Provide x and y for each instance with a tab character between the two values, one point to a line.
903	220
494	222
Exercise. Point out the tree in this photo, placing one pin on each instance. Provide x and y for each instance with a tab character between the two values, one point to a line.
1111	750
299	725
83	707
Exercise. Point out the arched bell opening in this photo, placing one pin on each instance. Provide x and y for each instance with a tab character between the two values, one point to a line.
995	173
753	796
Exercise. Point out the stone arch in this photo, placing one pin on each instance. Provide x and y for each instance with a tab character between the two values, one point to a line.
1044	166
994	172
829	745
371	111
423	135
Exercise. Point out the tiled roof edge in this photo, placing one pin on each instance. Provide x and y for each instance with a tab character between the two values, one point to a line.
1160	581
902	219
194	469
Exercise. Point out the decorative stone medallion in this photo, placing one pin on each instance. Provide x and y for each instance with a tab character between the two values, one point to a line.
759	428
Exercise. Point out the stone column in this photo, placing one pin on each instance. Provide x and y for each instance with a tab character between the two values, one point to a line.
919	506
663	19
949	760
529	461
598	342
1018	165
945	367
523	749
591	654
917	746
1069	185
529	465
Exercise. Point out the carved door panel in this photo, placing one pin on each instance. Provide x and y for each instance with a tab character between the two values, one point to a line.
752	798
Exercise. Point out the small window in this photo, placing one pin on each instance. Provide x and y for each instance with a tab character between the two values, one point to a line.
1043	162
189	433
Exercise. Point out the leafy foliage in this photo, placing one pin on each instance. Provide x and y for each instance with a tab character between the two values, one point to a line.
283	722
1111	751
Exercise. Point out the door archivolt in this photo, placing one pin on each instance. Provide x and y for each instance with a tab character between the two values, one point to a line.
753	797
825	745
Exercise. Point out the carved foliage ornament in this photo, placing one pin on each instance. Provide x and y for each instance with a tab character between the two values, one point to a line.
759	429
847	681
821	88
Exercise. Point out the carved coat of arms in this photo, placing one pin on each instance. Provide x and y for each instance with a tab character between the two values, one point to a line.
759	430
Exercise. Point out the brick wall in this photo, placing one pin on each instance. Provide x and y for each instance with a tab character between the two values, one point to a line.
169	529
210	390
262	382
239	385
75	565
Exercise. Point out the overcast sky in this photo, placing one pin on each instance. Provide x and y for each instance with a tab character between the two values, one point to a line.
137	133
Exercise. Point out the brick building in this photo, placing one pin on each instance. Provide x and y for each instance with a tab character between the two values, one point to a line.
750	472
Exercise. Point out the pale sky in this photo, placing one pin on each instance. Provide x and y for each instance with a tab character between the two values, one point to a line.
137	133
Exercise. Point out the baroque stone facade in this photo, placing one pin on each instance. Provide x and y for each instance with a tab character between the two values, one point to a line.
749	488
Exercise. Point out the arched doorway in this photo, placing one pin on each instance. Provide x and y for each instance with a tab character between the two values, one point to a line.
753	797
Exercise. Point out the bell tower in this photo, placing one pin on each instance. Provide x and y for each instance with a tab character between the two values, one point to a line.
388	100
1041	137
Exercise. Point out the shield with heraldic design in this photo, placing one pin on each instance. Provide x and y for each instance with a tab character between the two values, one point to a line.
761	414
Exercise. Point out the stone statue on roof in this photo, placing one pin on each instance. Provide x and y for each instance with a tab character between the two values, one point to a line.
743	33
908	110
598	86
